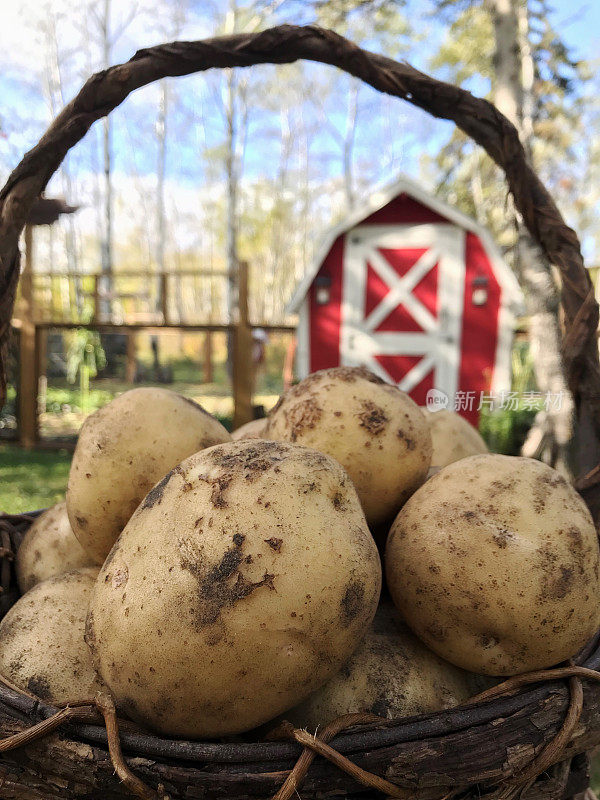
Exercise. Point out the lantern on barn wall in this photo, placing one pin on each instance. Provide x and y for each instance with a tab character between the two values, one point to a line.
414	290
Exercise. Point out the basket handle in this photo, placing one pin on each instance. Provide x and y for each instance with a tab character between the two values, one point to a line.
285	44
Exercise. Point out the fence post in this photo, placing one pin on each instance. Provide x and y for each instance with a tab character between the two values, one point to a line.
28	360
96	317
164	298
131	361
41	347
207	372
243	367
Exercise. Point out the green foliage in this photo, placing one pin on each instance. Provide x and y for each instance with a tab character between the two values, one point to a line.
595	774
360	19
226	420
189	371
32	479
85	357
468	49
84	352
505	429
10	407
60	397
523	379
467	176
270	379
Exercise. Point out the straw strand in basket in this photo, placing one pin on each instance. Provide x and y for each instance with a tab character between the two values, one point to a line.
82	711
314	744
285	44
318	745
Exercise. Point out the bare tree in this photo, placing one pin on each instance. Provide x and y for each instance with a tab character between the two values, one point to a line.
106	36
161	168
54	87
106	254
349	141
235	109
550	437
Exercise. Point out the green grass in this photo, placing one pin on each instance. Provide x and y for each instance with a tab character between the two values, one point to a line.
31	479
505	430
595	772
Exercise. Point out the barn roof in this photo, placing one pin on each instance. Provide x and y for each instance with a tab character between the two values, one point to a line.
380	198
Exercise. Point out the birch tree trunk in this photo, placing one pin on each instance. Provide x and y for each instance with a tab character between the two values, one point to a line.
106	244
53	86
349	140
56	99
161	167
231	252
550	436
231	173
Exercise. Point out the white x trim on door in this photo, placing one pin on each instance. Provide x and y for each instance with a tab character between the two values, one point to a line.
439	342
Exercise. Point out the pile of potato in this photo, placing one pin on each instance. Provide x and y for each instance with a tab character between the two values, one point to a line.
214	584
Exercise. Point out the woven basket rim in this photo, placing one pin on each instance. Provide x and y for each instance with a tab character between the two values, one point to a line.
397	731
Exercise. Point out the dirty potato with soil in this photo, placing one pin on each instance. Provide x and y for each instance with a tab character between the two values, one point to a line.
123	449
494	564
42	649
452	437
376	432
243	581
49	548
392	674
255	429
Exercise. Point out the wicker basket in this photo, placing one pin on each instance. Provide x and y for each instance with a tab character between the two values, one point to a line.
484	749
530	741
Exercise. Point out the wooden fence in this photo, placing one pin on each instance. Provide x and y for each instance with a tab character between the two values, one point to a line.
129	302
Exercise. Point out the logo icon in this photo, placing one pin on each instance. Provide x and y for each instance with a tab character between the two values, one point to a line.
436	400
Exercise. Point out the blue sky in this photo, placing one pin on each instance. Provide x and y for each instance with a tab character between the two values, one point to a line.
24	112
578	21
580	25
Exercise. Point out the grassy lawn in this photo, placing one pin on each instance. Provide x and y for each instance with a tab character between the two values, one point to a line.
595	772
31	479
65	412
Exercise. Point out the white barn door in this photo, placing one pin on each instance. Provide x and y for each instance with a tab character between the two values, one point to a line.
433	253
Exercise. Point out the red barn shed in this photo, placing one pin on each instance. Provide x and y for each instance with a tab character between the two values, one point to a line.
417	292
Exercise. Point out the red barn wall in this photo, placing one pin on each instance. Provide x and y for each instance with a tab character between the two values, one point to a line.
325	321
480	323
479	335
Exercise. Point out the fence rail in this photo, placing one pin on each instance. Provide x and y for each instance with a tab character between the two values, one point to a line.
183	298
158	297
128	302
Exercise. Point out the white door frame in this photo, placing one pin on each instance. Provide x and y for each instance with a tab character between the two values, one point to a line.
440	341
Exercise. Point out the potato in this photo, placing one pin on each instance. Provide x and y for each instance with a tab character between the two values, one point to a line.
392	674
42	649
241	583
251	430
376	432
494	564
122	451
49	548
452	437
